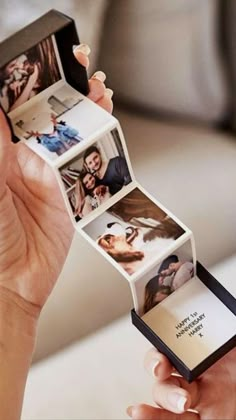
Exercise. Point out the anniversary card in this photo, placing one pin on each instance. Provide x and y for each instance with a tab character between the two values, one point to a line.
193	323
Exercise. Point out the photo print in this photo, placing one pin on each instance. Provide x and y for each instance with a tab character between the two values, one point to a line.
28	74
44	124
95	175
134	231
165	278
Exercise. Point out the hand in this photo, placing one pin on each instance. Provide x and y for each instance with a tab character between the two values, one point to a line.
98	91
35	229
34	76
212	396
16	87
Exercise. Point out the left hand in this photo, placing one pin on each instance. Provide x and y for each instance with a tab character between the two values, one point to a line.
212	396
35	229
98	91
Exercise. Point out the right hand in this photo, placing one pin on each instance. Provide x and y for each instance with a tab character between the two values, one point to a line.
212	395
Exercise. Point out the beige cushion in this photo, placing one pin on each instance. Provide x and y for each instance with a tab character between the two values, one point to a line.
164	55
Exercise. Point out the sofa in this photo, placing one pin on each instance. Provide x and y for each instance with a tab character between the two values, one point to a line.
171	65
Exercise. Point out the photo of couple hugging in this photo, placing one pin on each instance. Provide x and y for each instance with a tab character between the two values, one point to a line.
28	74
95	175
173	273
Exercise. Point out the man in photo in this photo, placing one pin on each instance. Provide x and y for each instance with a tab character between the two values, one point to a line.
113	173
171	275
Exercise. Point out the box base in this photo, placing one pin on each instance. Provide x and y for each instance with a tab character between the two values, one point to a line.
188	373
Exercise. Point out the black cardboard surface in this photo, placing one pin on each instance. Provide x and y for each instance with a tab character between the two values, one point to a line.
217	288
188	374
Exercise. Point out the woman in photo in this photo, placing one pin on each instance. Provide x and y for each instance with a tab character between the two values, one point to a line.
171	275
174	272
155	293
19	81
28	74
89	194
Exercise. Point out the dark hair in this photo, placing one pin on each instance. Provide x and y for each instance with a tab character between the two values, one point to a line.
90	150
151	289
165	264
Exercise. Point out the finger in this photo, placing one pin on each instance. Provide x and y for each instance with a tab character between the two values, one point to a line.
5	136
81	53
147	412
106	101
175	394
96	89
157	364
5	144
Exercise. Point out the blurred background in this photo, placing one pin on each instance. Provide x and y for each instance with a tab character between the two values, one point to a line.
172	66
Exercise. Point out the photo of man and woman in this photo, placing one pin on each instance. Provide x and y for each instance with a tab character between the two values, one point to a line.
164	279
28	74
171	275
95	175
134	231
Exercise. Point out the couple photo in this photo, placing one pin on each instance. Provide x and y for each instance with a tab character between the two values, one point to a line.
95	175
171	275
28	74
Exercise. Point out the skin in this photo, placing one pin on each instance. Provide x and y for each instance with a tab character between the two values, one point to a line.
95	164
160	296
35	237
175	266
89	181
212	396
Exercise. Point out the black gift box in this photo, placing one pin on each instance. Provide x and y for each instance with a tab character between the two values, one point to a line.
191	374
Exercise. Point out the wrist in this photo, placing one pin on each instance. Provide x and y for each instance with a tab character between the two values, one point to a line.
17	316
18	325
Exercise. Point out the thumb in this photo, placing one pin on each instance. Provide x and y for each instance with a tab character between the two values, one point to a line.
5	144
144	411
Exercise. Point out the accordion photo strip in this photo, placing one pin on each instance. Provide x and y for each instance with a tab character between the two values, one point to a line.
178	306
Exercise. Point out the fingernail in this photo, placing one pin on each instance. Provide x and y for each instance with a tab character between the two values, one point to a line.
100	75
177	401
83	48
129	410
153	367
109	92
